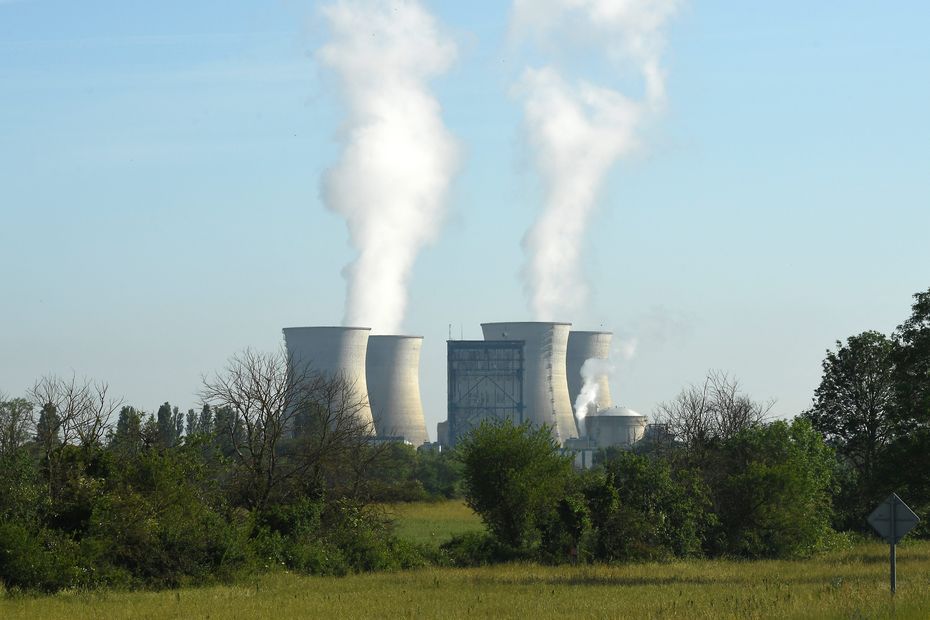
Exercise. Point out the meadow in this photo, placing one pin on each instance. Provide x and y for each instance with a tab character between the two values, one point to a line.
432	523
843	584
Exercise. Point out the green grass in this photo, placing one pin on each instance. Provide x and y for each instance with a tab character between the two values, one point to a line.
433	523
849	584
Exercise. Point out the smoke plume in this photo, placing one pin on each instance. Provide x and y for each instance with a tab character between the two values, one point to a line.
578	130
398	158
592	371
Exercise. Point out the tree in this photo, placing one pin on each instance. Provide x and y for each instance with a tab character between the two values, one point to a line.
514	477
170	425
912	364
128	434
259	398
15	423
772	487
641	508
711	412
854	405
907	464
83	410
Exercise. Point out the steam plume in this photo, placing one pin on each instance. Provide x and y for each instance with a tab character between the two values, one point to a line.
578	129
398	157
586	403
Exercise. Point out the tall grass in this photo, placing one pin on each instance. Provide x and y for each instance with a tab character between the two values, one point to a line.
844	584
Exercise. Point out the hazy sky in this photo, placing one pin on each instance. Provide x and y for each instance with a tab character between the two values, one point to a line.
160	208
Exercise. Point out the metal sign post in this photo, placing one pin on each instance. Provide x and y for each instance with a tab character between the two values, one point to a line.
892	519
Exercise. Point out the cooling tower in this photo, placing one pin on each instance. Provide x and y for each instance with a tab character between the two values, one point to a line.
393	371
545	389
337	352
583	346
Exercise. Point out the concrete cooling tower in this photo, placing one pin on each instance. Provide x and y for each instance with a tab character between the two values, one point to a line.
393	372
583	346
336	352
545	389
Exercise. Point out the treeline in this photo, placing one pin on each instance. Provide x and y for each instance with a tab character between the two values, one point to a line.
765	491
275	471
717	476
873	407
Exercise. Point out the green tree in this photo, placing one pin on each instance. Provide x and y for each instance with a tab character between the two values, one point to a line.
170	425
854	405
641	508
128	434
912	363
514	477
772	487
907	465
440	473
856	410
15	422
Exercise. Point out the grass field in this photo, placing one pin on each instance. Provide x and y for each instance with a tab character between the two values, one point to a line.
433	523
846	584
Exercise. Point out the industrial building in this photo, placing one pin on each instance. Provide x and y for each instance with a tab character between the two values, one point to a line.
521	371
485	382
532	371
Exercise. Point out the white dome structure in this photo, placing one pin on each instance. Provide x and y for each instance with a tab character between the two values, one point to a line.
618	427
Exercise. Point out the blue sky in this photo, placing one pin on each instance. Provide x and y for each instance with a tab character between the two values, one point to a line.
160	209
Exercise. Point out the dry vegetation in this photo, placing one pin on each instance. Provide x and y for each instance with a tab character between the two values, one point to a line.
847	584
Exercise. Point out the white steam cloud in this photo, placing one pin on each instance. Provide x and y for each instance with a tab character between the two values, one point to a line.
592	371
398	158
578	130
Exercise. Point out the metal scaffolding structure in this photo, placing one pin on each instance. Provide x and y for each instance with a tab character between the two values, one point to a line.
485	383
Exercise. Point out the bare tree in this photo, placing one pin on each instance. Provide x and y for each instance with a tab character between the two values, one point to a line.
15	423
715	410
82	409
70	413
285	420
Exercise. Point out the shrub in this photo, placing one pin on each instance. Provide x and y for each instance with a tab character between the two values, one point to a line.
772	486
514	477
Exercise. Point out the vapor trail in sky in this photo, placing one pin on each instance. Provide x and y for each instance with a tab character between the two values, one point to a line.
577	129
398	158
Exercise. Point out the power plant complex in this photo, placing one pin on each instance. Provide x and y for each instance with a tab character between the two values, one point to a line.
522	371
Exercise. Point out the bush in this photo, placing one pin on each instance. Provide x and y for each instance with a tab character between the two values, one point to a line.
45	561
641	509
773	486
514	477
476	549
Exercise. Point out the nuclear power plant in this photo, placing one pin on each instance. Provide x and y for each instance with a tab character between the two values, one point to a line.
522	371
532	372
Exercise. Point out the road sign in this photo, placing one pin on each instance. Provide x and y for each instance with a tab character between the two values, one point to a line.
892	519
